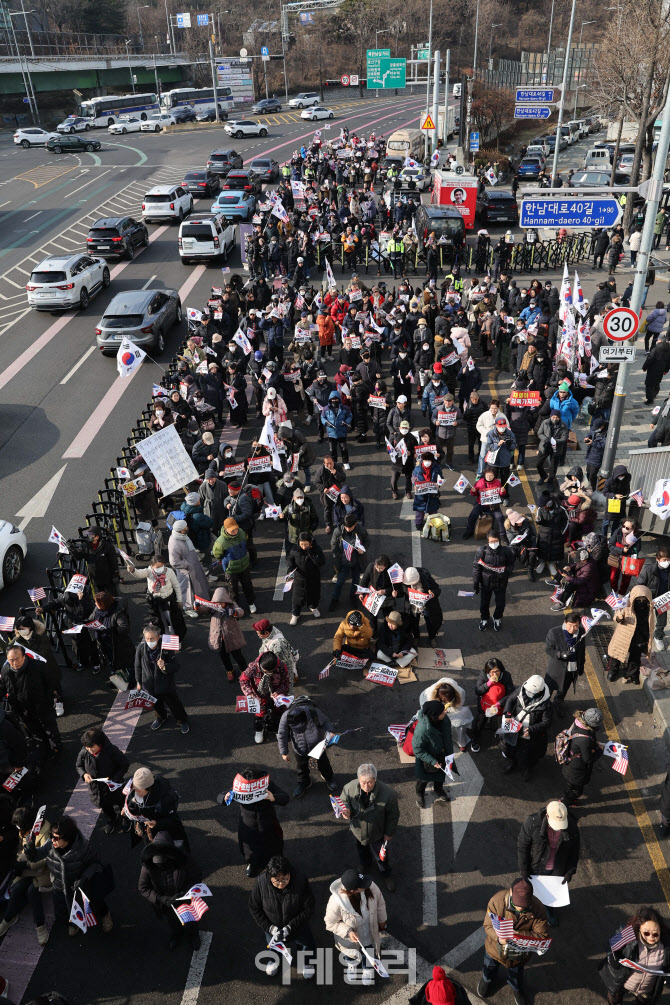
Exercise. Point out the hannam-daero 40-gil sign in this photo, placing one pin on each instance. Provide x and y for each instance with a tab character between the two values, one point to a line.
585	213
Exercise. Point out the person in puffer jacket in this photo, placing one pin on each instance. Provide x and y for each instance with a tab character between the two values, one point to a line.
491	570
304	726
337	421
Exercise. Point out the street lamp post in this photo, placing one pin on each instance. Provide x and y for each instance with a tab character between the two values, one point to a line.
25	73
579	68
551	25
561	104
430	53
378	32
130	69
139	21
474	57
491	41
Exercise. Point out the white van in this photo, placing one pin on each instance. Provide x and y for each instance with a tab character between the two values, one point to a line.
408	142
205	236
598	157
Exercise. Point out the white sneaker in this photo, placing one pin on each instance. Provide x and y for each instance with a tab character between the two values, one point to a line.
659	645
316	612
347	467
190	613
308	972
212	579
259	736
334	579
252	608
368	977
294	619
307	488
308	420
58	705
272	968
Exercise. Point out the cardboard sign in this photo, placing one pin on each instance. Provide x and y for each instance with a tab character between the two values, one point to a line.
489	497
426	488
439	659
140	699
525	399
77	584
259	465
333	492
251	791
377	401
231	471
379	673
243	704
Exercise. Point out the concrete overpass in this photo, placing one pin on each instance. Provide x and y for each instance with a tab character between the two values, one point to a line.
92	73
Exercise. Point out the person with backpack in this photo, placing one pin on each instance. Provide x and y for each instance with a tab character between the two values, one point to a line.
493	685
529	706
231	548
199	524
566	649
305	726
577	750
548	845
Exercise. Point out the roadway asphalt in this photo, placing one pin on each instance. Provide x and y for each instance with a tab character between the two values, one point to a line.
446	868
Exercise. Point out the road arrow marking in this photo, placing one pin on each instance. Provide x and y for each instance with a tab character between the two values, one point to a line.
469	783
39	504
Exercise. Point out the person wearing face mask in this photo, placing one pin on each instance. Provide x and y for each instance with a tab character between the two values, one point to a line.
423	365
552	523
378	410
633	633
580	582
155	670
472	412
649	947
493	685
163	596
319	392
265	678
32	633
656	576
434	390
305	561
566	652
329	479
485	503
402	371
624	547
426	473
99	758
485	423
584	752
491	570
28	881
212	492
161	417
530	705
300	515
167	874
552	445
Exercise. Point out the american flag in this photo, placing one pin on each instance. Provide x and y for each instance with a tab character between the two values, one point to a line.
557	594
622	938
299	301
89	916
7	624
503	927
325	672
638	497
397	731
396	574
170	642
36	594
621	760
616	602
338	805
193	911
348	550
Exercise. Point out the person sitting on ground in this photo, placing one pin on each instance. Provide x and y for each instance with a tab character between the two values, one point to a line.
353	636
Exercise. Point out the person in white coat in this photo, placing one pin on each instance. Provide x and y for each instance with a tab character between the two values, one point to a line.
185	562
485	423
452	697
356	914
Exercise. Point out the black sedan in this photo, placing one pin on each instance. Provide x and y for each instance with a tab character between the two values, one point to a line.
497	207
266	105
201	183
70	143
209	115
243	181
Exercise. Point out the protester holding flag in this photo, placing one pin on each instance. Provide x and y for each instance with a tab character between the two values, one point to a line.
305	726
432	744
305	561
99	761
167	874
225	634
29	690
529	706
184	560
645	941
349	541
633	633
356	914
522	537
259	833
488	492
584	752
528	919
493	685
155	669
264	678
337	421
274	641
427	472
151	805
163	595
566	649
282	903
372	812
74	866
28	880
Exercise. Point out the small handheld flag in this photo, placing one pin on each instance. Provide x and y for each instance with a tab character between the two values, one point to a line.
37	594
503	927
338	806
199	890
348	550
513	481
622	938
7	624
397	731
461	484
55	537
170	642
191	912
637	497
619	752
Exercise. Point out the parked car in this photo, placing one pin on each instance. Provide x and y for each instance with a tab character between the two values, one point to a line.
143	316
116	236
317	112
183	113
590	179
73	124
157	121
126	124
58	144
31	137
13	550
530	167
266	105
625	164
245	127
201	183
171	202
304	99
234	205
266	168
210	115
497	206
64	281
243	181
206	236
222	161
537	150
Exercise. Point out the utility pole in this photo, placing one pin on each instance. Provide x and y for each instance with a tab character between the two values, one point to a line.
554	170
430	50
653	193
445	124
30	37
436	99
216	95
551	25
474	56
158	87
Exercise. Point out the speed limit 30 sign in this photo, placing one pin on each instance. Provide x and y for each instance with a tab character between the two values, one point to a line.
620	324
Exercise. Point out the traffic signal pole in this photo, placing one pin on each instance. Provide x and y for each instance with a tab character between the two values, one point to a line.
653	194
561	106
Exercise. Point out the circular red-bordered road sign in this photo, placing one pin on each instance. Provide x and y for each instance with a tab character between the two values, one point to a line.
344	80
621	324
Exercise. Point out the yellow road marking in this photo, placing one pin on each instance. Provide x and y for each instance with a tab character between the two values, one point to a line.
636	801
23	176
284	119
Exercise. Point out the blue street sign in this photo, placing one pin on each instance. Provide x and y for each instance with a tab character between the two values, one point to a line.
307	17
26	101
203	19
474	141
265	51
531	112
581	212
530	95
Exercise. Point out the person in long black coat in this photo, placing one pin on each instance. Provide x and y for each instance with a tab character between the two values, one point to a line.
259	832
377	578
530	705
584	752
420	579
282	903
100	758
566	649
305	560
168	873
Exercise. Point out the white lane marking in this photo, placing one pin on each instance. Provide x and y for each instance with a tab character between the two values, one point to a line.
148	283
281	572
424	970
407	513
465	799
196	971
460	953
428	867
5	203
41	501
33	215
86	184
77	365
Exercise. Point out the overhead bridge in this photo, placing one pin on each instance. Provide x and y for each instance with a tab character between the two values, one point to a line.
62	73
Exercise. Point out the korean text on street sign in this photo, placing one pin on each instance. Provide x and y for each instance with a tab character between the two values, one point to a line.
586	213
617	354
620	324
203	19
532	95
183	20
531	112
383	72
422	53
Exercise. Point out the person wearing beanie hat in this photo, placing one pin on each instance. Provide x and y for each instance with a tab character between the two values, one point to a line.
183	558
230	548
416	582
565	402
431	743
584	752
337	422
212	494
346	916
530	704
529	919
433	392
440	990
402	443
353	636
152	797
167	874
299	515
394	638
566	649
549	845
203	453
426	472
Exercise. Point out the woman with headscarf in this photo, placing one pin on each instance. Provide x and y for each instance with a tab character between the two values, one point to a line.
529	706
356	914
225	634
633	635
648	947
431	744
452	697
185	562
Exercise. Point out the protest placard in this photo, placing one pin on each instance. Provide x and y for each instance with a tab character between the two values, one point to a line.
380	673
140	699
166	455
439	659
244	704
251	790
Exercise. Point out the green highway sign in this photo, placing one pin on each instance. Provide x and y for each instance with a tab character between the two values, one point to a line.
384	73
422	54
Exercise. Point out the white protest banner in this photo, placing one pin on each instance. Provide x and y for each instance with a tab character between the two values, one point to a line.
243	704
112	786
425	488
377	401
77	583
662	603
379	673
373	602
13	780
140	699
251	791
259	465
231	471
439	659
429	448
551	891
530	945
489	497
166	455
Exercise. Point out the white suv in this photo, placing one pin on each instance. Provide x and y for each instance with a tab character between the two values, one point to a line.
206	237
67	281
305	99
166	202
31	137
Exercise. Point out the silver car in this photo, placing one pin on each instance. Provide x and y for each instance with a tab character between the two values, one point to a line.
143	316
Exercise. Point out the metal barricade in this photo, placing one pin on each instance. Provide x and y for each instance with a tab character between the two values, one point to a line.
647	466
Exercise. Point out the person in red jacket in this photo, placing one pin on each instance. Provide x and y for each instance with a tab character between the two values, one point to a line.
265	678
492	485
326	335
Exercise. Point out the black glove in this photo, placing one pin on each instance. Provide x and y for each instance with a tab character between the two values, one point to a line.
337	653
476	589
